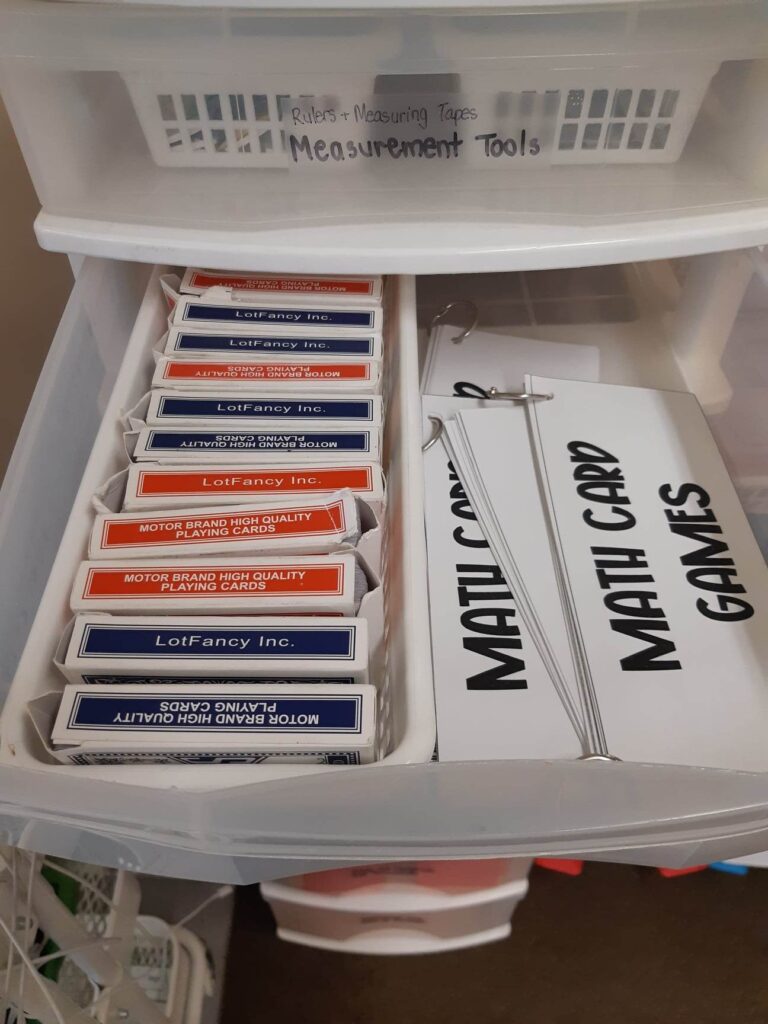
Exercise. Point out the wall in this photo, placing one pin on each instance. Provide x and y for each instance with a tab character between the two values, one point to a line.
35	288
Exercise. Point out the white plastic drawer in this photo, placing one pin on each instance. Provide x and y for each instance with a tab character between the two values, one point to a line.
392	140
392	922
222	824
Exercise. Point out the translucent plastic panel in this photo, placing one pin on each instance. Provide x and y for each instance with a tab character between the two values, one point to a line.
55	442
537	118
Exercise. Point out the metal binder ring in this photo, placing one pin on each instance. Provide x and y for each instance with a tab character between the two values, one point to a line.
599	757
520	396
437	433
466	389
475	312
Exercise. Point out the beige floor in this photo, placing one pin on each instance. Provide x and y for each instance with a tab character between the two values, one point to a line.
35	286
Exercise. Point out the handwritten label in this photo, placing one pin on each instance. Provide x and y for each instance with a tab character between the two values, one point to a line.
490	130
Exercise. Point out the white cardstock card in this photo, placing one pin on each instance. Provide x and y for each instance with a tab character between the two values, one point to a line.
669	585
501	360
494	697
492	454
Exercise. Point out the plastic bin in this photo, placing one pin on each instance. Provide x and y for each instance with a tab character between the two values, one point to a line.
391	140
656	324
595	116
394	919
405	713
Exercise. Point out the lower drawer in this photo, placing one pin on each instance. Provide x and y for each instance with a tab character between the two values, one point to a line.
244	824
391	921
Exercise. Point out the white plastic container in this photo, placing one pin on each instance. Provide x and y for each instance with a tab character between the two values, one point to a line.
222	825
471	136
393	919
405	714
604	115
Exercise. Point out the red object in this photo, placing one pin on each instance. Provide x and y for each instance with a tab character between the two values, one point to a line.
308	521
448	875
185	369
308	285
564	867
674	872
172	483
190	580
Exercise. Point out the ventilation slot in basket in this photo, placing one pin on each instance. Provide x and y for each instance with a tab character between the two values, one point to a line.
639	120
228	126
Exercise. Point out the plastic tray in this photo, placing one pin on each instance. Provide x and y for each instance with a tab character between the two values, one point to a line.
594	116
448	140
406	728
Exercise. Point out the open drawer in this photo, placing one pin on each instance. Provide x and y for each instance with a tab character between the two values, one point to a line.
245	824
405	718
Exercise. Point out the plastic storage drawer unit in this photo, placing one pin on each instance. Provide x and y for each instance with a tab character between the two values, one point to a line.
396	140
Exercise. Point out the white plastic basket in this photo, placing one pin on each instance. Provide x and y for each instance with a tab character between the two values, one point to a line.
405	720
391	920
610	115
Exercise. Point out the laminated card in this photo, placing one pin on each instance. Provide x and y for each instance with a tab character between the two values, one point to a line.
491	452
493	359
667	581
494	696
